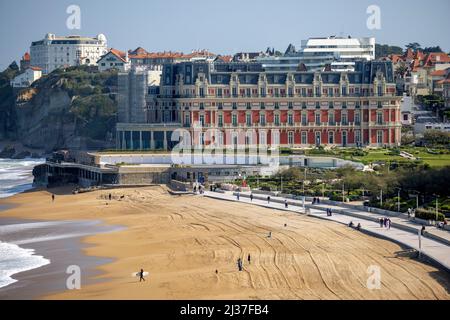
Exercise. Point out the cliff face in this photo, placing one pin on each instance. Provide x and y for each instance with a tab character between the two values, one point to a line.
73	109
7	101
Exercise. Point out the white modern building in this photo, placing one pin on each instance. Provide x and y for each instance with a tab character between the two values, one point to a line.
339	53
54	52
26	78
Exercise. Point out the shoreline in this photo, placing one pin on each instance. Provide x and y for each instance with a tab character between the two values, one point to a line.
55	240
181	240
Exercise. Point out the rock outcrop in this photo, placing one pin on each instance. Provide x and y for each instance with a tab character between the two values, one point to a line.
72	109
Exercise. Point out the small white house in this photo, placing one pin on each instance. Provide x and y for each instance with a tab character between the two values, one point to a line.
26	78
114	59
424	126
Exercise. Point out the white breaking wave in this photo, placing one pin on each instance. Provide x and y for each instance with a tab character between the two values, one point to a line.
16	175
14	259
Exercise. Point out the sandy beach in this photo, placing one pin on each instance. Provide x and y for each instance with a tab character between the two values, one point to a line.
182	240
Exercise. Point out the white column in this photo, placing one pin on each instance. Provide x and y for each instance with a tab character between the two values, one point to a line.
152	141
131	140
165	140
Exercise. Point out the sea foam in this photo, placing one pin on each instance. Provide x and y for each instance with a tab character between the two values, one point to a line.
14	259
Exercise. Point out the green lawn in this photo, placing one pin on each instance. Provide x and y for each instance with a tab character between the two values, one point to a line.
434	160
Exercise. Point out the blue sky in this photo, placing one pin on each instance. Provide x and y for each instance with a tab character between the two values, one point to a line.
221	26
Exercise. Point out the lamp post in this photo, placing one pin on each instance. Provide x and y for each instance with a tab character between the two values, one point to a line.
343	193
437	208
381	198
398	199
417	201
304	179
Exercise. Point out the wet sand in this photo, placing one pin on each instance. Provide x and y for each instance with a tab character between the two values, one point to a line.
182	240
61	244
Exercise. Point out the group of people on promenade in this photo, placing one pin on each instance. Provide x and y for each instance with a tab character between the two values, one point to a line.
385	222
316	200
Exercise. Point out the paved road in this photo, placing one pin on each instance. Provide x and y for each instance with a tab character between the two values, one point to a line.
434	250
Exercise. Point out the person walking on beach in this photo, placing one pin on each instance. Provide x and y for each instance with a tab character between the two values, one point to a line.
239	264
141	275
53	197
249	258
251	196
270	235
110	197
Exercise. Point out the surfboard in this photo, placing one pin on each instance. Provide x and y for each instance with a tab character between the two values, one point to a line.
137	274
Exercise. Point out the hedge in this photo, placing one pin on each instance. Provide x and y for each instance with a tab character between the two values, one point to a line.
428	215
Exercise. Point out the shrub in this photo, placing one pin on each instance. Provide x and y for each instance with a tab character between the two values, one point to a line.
428	215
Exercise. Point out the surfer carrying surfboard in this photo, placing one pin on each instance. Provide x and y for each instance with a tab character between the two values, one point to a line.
141	275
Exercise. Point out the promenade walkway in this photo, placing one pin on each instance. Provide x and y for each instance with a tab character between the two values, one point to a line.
401	231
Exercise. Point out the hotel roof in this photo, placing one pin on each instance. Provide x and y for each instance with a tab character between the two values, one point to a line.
250	72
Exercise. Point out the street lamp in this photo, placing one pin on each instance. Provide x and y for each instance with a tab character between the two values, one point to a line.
304	184
381	198
437	196
398	199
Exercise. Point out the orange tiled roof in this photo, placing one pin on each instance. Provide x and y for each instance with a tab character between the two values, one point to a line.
199	53
142	54
438	73
154	55
119	54
409	54
434	57
137	51
395	58
36	68
225	58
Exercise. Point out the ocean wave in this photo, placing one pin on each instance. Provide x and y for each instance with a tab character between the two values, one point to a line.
14	259
16	175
